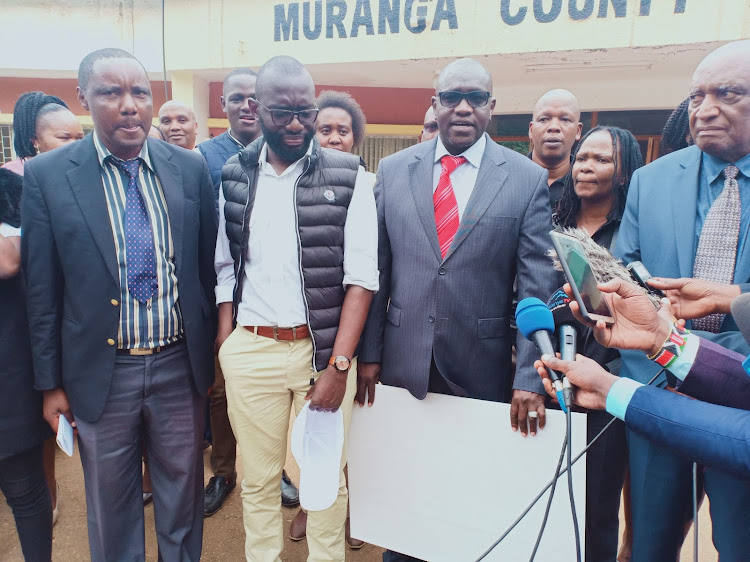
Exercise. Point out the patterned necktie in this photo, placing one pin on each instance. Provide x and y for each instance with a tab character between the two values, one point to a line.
139	238
446	207
717	246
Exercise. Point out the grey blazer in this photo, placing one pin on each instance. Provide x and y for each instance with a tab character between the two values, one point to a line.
458	309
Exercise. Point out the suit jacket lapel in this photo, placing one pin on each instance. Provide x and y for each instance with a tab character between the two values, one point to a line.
490	179
420	181
170	178
86	184
684	209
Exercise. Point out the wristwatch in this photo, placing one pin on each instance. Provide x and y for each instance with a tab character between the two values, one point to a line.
341	362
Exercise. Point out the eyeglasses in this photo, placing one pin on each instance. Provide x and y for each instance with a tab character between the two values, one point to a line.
476	98
283	117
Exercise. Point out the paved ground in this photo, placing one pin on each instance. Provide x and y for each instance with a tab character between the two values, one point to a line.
223	533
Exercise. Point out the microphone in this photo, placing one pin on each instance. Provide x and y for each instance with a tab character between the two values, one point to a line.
534	320
567	332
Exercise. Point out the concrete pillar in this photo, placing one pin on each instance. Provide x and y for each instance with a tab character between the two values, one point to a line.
192	90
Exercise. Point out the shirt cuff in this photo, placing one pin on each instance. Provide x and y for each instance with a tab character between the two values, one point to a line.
224	294
619	396
682	364
8	230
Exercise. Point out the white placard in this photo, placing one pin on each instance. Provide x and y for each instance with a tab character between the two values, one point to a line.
441	479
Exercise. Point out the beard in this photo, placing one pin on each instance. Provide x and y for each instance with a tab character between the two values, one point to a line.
287	153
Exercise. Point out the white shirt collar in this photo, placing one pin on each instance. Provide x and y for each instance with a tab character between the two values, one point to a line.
266	168
473	154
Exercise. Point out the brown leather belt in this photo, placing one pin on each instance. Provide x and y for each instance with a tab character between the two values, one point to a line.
281	334
148	350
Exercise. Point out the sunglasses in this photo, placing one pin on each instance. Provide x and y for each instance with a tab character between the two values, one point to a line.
283	117
476	98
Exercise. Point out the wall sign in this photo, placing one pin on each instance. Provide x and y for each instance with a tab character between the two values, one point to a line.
342	19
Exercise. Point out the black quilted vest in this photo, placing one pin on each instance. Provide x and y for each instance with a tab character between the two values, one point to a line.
322	196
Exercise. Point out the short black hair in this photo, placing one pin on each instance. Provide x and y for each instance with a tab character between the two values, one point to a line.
628	158
281	64
26	113
332	98
676	133
86	68
236	72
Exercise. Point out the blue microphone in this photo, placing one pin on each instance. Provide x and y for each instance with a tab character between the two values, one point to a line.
534	320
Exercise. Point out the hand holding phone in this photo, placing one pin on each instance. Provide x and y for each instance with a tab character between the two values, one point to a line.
582	278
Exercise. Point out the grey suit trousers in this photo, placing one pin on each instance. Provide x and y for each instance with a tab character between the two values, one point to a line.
152	401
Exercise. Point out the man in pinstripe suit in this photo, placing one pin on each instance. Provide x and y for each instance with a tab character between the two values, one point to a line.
118	248
450	287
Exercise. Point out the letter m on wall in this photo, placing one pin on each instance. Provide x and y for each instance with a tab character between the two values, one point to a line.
286	23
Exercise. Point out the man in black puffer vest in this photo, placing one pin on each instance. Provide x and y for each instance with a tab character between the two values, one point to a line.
296	260
237	92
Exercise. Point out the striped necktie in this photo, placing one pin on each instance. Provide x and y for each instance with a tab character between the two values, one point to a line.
446	206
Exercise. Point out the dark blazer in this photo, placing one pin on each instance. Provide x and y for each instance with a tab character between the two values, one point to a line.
712	435
458	309
68	254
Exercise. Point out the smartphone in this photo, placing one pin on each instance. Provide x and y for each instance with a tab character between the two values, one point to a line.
582	278
641	275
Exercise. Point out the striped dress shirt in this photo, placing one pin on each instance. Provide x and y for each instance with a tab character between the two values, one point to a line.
158	321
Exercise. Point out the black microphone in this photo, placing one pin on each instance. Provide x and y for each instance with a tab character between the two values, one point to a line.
567	328
566	325
534	320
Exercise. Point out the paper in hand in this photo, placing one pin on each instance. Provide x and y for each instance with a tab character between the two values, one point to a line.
65	435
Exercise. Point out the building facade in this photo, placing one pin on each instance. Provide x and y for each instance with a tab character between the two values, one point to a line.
628	61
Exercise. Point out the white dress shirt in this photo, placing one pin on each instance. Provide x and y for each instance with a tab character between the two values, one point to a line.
464	177
272	291
8	230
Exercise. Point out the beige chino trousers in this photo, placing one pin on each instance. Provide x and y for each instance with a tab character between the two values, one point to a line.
264	378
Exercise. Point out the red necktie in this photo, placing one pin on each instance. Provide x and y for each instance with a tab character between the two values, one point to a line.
446	207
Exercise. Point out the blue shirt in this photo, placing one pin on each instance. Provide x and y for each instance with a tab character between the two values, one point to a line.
710	186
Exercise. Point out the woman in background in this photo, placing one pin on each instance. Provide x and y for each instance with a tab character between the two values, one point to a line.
42	123
22	428
593	199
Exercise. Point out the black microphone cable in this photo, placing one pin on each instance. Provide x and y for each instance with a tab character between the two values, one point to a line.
549	484
551	495
570	488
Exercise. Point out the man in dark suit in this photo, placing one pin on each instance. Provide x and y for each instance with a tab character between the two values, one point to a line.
459	219
119	236
688	215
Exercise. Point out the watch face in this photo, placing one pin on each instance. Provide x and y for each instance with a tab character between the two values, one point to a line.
341	363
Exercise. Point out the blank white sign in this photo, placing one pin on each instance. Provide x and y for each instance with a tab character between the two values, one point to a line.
442	478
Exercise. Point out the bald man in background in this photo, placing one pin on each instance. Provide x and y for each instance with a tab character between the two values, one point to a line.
178	125
430	126
554	128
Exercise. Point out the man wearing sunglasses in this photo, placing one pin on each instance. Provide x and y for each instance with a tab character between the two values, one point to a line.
459	217
296	260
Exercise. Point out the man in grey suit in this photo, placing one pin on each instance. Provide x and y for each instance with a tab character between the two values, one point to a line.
119	236
459	219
